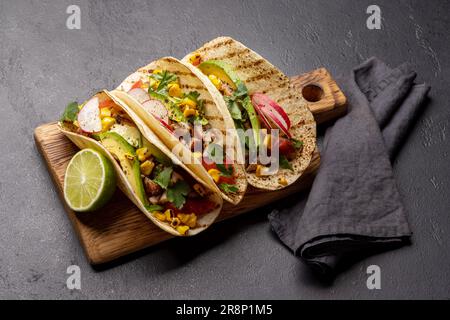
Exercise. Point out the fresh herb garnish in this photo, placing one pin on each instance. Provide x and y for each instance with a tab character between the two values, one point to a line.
224	171
177	193
284	163
193	95
228	188
164	79
71	112
233	107
153	207
297	143
163	177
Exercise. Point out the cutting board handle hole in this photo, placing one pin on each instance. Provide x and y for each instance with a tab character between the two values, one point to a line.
312	93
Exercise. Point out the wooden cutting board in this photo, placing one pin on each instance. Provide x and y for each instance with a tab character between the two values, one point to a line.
120	228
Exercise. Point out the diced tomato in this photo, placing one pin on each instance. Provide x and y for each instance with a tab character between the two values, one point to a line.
193	205
137	84
107	103
229	180
286	147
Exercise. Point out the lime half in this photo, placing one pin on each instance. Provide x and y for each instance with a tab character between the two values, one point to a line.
89	182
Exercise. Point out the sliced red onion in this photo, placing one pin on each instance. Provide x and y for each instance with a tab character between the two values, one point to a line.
271	113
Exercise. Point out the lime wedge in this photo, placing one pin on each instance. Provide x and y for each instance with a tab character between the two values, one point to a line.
89	182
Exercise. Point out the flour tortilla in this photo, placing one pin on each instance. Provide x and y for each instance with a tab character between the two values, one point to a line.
84	142
216	114
259	75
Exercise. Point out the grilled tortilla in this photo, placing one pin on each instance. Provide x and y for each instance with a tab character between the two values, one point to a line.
217	117
260	76
130	168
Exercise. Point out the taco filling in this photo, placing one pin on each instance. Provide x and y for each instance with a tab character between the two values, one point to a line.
166	190
183	114
257	112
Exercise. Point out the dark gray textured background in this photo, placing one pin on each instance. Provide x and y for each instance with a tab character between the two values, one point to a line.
43	65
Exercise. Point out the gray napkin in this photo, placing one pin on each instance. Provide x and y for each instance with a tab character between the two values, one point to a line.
354	208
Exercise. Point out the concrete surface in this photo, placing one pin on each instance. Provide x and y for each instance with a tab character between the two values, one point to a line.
43	65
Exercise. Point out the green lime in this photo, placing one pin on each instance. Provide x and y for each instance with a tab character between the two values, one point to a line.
90	181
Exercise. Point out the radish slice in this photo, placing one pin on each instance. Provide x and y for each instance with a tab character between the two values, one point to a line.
156	108
139	94
271	113
89	116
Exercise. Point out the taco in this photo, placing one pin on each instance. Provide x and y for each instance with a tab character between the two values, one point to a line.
258	96
176	105
157	182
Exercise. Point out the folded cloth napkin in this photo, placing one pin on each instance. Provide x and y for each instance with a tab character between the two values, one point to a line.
354	208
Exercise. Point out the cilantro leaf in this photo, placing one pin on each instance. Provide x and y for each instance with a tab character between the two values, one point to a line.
153	207
297	143
241	90
234	109
284	163
177	193
163	177
193	95
224	171
71	112
228	188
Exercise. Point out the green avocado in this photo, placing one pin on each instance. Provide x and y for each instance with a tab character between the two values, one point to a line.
130	133
156	153
126	154
223	71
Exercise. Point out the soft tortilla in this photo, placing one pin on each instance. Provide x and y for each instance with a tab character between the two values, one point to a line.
259	75
217	115
83	142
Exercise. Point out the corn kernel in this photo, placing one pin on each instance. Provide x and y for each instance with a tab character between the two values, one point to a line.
175	90
168	214
189	102
259	170
268	141
215	174
175	222
105	112
147	167
282	180
188	112
142	154
157	71
154	84
188	219
195	59
182	230
215	81
160	216
107	123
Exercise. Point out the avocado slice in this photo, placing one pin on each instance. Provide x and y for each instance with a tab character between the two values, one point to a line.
224	72
130	133
126	155
156	153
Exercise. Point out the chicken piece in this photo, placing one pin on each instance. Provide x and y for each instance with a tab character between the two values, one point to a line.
151	188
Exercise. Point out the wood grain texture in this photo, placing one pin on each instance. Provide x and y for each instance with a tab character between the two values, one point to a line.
120	228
